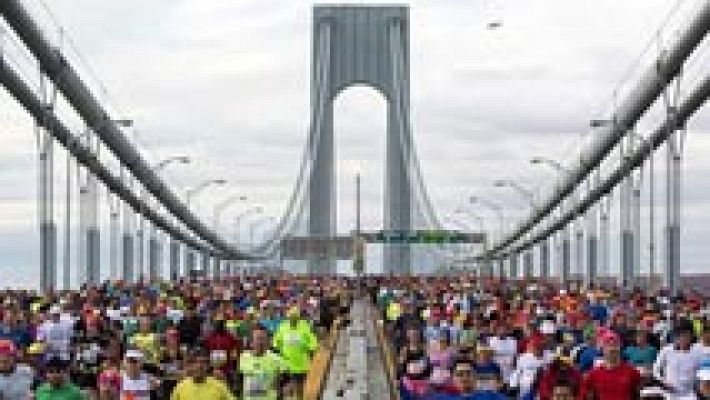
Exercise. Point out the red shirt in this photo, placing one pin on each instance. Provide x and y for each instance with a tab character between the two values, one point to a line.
223	342
619	383
550	376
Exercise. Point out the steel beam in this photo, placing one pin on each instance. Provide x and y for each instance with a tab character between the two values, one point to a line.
79	96
27	98
629	111
528	264
544	259
174	274
47	225
690	104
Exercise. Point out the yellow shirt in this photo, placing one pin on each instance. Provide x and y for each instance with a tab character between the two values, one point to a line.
148	343
210	389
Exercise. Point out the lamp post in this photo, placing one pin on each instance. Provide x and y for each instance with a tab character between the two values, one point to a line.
189	194
526	193
564	250
651	211
153	244
241	216
498	210
89	239
482	228
238	220
222	206
530	197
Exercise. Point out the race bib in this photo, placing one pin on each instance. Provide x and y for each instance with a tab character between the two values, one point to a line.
218	357
440	375
293	339
171	368
416	367
488	384
257	385
527	378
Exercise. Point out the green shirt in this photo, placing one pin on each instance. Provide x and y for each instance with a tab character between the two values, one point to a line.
296	344
67	392
261	375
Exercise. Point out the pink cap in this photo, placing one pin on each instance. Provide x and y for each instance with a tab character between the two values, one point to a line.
7	348
609	338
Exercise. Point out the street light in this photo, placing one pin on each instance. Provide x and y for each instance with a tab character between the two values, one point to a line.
528	194
496	208
170	160
221	207
600	123
556	165
494	25
194	191
153	230
651	206
202	186
87	190
238	219
252	227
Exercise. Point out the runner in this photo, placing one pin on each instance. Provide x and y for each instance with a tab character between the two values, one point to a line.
15	380
57	333
261	368
198	385
58	386
677	363
295	341
614	379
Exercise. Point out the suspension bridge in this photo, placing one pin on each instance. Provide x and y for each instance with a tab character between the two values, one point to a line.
564	235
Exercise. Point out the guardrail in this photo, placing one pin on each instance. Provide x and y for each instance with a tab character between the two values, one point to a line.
320	365
388	357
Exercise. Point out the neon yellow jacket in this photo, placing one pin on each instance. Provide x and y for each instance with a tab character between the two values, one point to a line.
261	375
295	344
394	310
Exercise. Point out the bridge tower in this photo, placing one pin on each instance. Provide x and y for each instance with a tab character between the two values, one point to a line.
366	45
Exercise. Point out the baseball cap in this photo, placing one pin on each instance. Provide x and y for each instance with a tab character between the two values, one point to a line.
609	338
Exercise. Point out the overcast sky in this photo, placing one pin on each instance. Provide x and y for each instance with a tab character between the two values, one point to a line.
227	83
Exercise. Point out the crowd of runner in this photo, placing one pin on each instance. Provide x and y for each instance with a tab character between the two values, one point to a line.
453	338
254	337
250	338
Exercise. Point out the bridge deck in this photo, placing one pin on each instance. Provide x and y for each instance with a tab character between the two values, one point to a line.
357	370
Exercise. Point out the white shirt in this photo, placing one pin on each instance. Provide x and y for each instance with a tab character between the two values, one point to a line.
114	314
505	351
701	350
525	371
138	388
58	337
17	385
676	368
174	315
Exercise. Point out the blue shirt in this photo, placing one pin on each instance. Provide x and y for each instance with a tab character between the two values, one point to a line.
19	336
477	395
586	357
490	368
598	313
271	324
640	355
